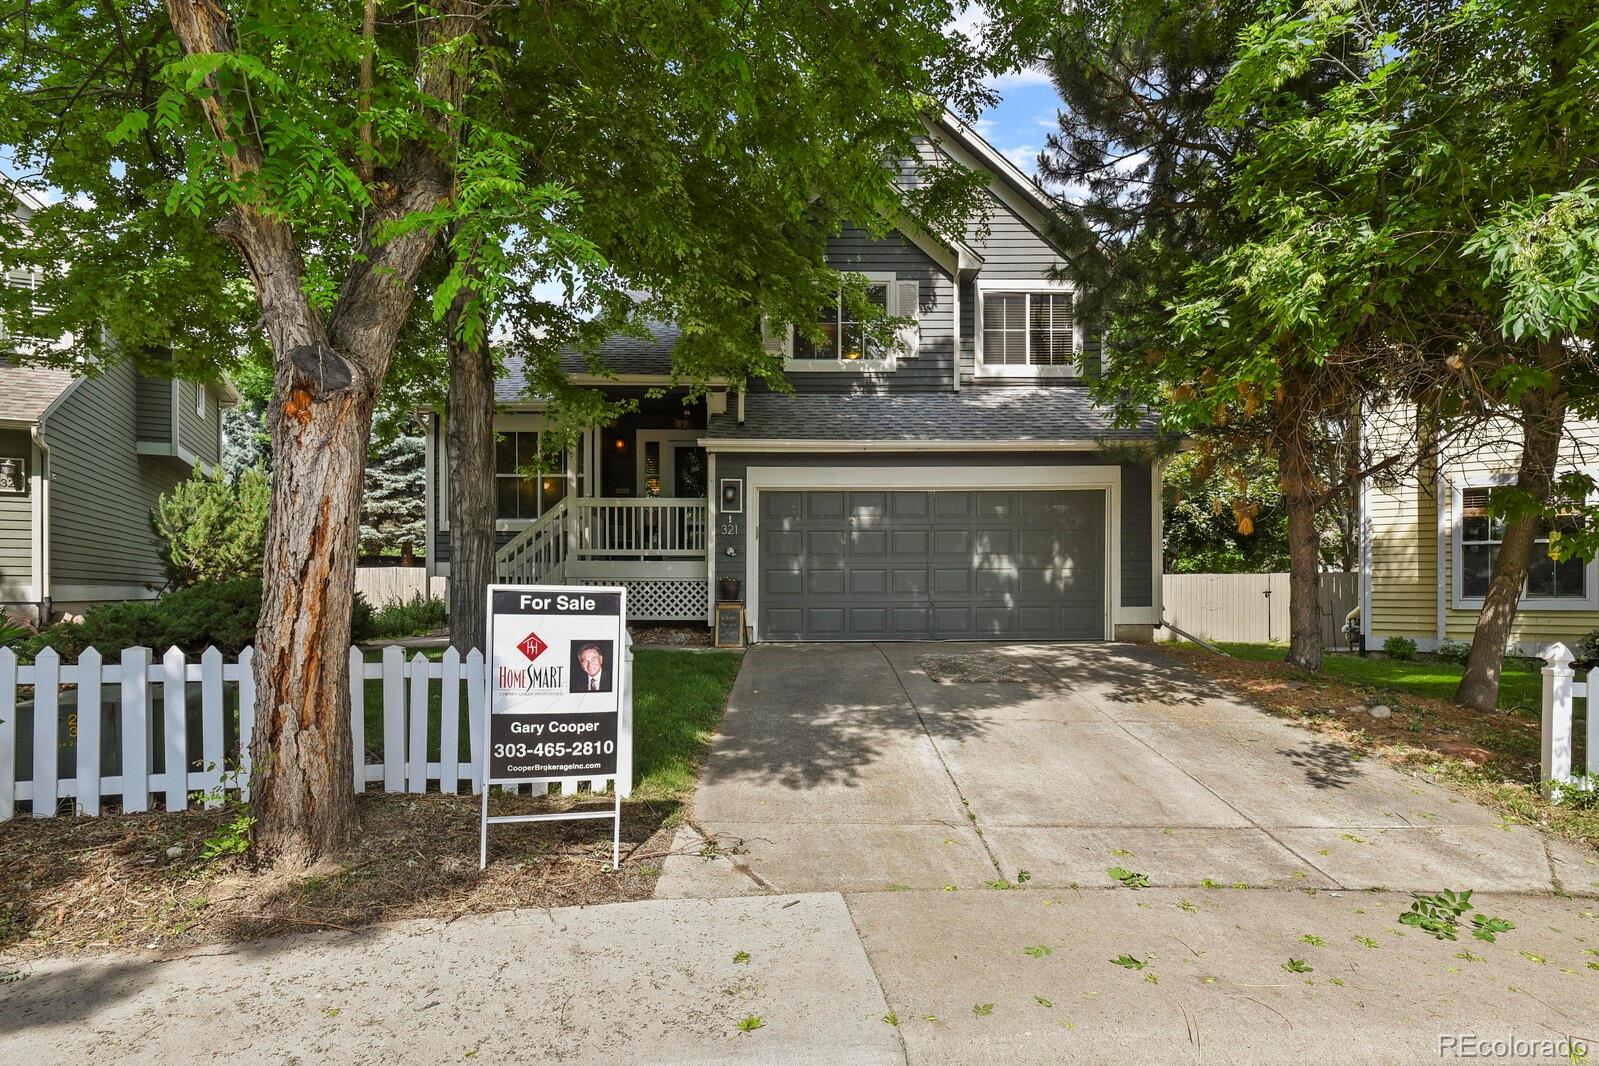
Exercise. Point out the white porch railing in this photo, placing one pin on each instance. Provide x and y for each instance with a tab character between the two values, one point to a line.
538	553
89	718
653	528
1560	690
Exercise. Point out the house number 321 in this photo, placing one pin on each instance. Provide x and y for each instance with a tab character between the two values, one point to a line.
729	528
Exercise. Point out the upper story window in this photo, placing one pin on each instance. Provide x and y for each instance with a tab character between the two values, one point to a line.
520	496
844	338
199	399
845	342
1478	538
1026	329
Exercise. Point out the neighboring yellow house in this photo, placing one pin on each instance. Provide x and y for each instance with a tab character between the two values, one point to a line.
1428	549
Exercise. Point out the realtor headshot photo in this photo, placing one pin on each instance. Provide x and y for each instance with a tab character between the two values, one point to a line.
591	666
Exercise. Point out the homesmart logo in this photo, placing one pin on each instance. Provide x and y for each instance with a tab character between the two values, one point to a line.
532	678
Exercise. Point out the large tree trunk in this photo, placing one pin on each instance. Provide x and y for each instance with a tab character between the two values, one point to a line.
327	375
1544	414
1302	499
469	437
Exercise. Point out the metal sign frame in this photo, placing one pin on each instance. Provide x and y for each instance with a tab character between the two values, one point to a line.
620	691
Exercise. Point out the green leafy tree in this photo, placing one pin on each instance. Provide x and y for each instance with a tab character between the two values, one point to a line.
214	526
320	184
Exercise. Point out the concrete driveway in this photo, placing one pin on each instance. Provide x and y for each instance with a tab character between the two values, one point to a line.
970	824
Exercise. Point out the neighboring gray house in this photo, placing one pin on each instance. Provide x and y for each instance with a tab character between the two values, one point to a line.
83	460
964	486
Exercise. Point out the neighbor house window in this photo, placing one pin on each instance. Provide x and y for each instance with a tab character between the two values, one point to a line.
1480	537
843	338
199	400
1029	330
522	494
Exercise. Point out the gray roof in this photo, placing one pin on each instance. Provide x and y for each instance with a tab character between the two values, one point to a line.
622	354
978	413
27	391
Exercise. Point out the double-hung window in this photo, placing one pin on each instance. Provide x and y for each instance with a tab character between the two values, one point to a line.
1027	330
522	491
1479	535
845	343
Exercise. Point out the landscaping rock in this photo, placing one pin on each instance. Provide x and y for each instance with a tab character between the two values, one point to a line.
1380	711
174	851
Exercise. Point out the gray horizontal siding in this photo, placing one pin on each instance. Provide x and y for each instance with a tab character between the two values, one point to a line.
101	491
154	399
16	519
197	433
1137	529
931	367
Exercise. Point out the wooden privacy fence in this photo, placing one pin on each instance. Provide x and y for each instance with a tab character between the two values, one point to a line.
1251	608
385	585
92	730
1561	690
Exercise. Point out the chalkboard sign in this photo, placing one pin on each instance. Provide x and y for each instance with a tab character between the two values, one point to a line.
730	625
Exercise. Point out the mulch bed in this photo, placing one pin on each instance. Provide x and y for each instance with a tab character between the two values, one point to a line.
123	882
671	634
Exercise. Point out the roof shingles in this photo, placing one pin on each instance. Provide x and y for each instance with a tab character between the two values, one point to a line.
26	392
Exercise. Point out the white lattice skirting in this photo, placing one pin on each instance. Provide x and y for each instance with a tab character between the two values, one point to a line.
663	599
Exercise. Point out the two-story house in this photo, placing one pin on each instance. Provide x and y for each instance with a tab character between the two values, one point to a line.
84	458
965	486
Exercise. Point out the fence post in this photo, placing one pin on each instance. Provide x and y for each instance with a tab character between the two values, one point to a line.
358	717
8	734
88	773
175	727
1593	727
393	719
1554	760
246	719
418	752
450	722
211	746
46	694
476	713
135	730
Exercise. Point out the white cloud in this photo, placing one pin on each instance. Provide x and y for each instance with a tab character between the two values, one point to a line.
1024	156
1018	79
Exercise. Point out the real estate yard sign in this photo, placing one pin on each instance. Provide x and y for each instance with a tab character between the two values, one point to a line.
557	671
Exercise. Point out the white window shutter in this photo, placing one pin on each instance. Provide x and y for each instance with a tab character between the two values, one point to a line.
907	304
774	339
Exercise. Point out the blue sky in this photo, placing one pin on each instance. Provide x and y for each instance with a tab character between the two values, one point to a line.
1025	113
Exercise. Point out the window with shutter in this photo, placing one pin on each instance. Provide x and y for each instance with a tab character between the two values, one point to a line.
844	343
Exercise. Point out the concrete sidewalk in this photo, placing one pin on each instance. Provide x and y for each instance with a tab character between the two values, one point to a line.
635	982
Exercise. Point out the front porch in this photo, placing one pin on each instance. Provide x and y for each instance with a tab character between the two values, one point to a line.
630	509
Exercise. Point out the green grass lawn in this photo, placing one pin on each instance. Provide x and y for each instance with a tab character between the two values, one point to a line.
678	697
1520	685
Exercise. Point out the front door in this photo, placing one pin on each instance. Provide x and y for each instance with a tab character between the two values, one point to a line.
671	463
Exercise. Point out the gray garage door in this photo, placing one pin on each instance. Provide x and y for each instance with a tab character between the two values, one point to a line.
932	565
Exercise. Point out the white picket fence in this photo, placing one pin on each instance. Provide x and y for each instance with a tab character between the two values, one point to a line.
219	770
1560	691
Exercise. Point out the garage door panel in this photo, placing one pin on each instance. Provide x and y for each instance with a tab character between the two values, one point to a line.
952	543
910	506
872	582
782	504
907	582
821	506
868	543
782	582
824	582
907	543
958	564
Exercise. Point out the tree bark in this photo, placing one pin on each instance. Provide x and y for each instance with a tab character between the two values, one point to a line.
327	376
469	439
1543	420
1302	498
